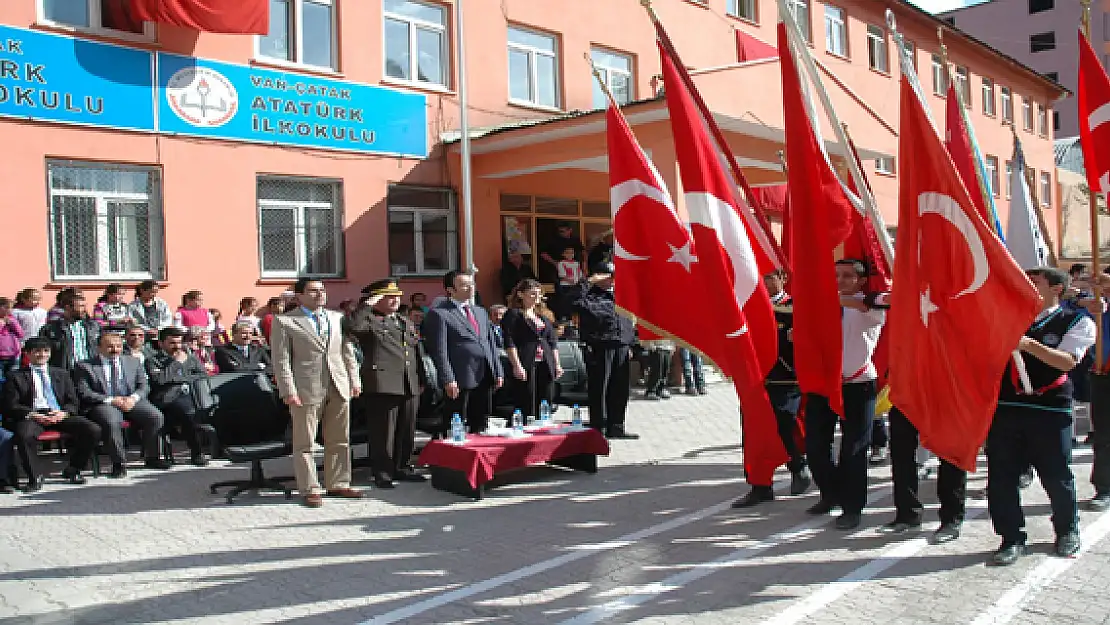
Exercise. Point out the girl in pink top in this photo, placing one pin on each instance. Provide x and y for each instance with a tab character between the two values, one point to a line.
193	313
11	338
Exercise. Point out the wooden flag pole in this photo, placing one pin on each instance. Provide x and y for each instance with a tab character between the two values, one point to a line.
1096	269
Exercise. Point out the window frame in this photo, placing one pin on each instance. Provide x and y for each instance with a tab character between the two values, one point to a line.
300	208
155	220
1045	46
880	40
833	21
95	26
1045	181
417	213
1051	5
608	71
940	76
532	52
794	6
993	175
1041	119
1006	108
882	168
1027	119
1009	175
963	84
911	48
987	89
298	39
733	9
414	26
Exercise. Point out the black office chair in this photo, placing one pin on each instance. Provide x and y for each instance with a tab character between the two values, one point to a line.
252	423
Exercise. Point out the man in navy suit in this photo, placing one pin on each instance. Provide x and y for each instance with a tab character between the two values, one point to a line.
457	336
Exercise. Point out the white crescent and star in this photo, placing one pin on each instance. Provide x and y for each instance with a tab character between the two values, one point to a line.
712	212
621	194
948	208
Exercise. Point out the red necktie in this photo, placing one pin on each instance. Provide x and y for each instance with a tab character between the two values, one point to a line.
472	319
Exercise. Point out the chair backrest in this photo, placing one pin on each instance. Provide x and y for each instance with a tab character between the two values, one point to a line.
247	404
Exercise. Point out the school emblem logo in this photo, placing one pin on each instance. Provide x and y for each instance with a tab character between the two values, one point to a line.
1051	340
202	97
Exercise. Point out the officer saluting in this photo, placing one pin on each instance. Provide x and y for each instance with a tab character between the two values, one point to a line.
392	379
786	398
609	338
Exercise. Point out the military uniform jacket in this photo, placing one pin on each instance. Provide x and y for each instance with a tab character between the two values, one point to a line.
393	358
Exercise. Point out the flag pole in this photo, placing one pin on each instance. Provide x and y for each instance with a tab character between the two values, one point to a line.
1096	270
1052	259
464	143
600	82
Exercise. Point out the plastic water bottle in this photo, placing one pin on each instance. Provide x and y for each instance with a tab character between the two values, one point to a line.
576	417
518	422
545	413
458	432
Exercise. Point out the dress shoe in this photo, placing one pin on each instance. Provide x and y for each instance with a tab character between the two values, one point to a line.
946	533
410	476
622	434
665	393
1099	503
118	471
313	501
756	496
200	460
702	390
73	475
651	396
899	527
1008	553
691	391
800	481
1026	479
345	493
848	520
823	506
383	480
6	488
1067	545
34	484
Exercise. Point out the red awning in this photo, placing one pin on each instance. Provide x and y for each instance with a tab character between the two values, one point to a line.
748	48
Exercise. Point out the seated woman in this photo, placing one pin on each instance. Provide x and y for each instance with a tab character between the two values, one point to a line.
111	311
532	346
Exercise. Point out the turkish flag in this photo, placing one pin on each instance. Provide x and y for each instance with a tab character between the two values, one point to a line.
959	147
820	220
863	243
1094	112
736	316
960	303
245	17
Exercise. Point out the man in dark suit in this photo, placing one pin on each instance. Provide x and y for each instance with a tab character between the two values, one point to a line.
457	336
393	378
73	338
112	388
172	370
41	398
242	354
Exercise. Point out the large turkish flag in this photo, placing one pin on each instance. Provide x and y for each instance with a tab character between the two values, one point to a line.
1094	113
248	17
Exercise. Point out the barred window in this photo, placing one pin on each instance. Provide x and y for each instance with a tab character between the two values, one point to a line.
423	235
300	227
105	221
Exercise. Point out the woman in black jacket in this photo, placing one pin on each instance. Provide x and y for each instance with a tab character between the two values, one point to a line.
532	346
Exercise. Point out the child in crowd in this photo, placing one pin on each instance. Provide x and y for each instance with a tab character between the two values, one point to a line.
570	270
28	313
247	306
193	313
110	310
220	336
11	339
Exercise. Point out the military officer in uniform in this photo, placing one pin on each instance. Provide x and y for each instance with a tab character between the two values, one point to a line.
786	398
393	377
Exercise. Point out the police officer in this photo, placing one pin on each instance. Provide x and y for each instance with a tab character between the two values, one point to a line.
786	399
609	338
393	377
1032	425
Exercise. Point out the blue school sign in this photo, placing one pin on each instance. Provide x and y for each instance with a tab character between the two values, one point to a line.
221	100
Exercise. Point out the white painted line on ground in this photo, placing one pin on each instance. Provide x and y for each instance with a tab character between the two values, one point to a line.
1010	604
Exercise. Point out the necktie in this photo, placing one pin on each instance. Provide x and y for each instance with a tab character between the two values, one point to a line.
47	389
117	379
471	318
246	351
80	344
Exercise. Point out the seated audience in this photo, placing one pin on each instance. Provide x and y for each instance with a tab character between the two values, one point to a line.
110	310
11	339
275	306
40	398
113	388
219	333
192	312
148	310
243	354
58	310
28	312
73	336
198	342
247	306
172	370
135	343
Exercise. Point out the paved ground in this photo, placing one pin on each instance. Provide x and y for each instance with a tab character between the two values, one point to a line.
649	539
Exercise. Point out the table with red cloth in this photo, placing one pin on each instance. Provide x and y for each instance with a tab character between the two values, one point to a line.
464	468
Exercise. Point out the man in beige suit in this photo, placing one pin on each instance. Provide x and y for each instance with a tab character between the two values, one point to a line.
317	376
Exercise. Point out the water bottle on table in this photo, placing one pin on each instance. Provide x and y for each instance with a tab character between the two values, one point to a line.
576	417
518	423
545	413
458	431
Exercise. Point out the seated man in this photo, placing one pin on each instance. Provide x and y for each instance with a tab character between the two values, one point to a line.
242	354
41	398
172	371
135	343
112	388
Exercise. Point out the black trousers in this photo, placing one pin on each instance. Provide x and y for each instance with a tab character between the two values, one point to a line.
845	481
608	382
83	436
473	405
391	427
528	394
659	360
143	416
786	399
1100	431
1019	438
181	413
951	483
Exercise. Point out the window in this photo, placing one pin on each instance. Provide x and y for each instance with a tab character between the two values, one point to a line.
1027	114
1056	121
1007	104
110	17
1037	6
877	56
836	31
988	97
940	76
800	10
416	42
1053	76
991	175
423	237
744	9
911	49
1042	42
1046	189
301	31
1009	175
885	165
533	68
300	227
616	71
963	85
105	221
1042	120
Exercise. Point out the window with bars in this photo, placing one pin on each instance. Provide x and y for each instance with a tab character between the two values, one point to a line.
416	42
533	67
877	56
106	17
301	32
744	9
105	221
616	71
423	235
300	227
1007	104
988	97
836	30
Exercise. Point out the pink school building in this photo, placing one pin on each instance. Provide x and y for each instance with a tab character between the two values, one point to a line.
234	164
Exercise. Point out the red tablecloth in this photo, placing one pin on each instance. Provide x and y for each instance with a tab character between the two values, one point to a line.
482	457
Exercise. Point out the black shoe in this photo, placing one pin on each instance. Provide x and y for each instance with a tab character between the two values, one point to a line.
6	488
1067	545
899	527
848	520
691	391
34	484
200	459
651	396
1026	479
878	456
702	390
1099	503
756	496
800	481
382	480
665	394
118	471
1008	553
157	464
823	506
73	475
622	434
410	476
946	533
